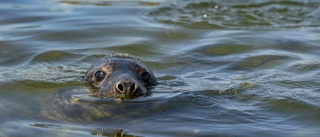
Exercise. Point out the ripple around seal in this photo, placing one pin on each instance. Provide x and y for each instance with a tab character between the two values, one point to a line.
53	56
250	14
24	127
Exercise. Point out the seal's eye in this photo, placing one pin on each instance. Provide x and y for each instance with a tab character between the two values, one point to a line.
100	75
145	76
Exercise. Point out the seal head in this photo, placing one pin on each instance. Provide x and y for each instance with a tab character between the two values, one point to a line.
120	75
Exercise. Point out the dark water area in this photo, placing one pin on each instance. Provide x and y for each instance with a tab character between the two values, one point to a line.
225	68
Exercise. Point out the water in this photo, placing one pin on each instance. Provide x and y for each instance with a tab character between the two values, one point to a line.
225	68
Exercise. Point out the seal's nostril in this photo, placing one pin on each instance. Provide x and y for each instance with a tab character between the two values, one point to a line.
120	87
133	88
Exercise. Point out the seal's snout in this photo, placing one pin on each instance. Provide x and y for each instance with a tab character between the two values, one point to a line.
127	87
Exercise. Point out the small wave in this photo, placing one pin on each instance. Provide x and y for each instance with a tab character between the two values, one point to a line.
110	3
238	15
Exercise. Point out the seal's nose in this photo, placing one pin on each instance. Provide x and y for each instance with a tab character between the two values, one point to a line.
127	87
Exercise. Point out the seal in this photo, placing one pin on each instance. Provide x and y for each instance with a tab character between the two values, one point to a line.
120	75
111	79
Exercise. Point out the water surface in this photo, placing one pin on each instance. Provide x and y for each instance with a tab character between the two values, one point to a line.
225	68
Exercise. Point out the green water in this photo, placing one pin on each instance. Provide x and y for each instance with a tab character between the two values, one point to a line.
225	68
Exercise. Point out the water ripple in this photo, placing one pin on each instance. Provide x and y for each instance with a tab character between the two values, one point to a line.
203	101
250	14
